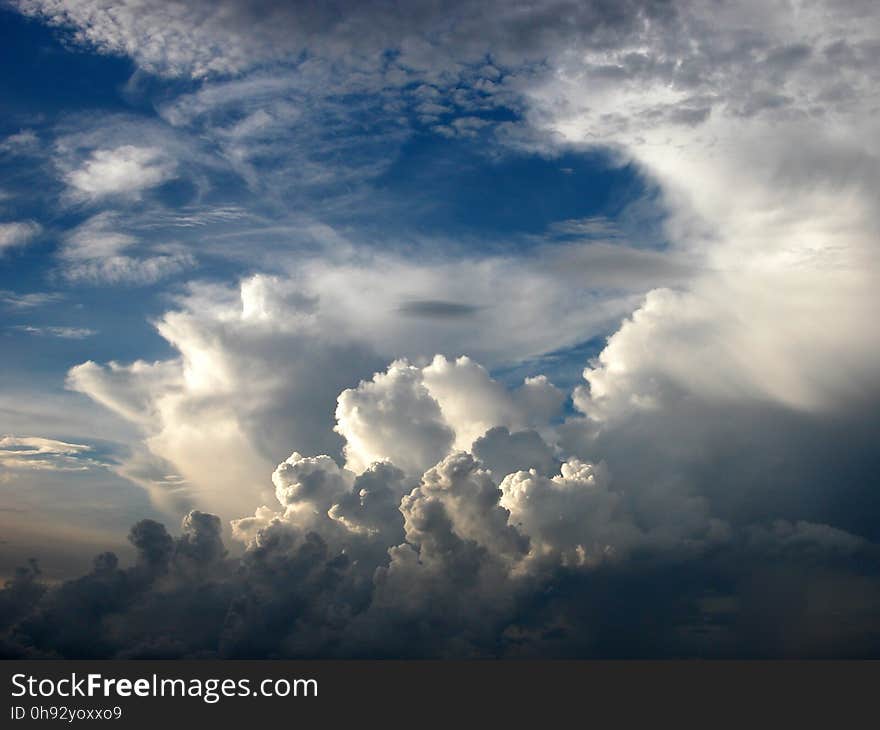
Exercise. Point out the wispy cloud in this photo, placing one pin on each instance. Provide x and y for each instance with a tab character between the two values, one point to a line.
22	142
29	300
66	333
99	251
17	233
35	453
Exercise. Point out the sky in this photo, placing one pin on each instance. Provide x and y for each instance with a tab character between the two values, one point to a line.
368	329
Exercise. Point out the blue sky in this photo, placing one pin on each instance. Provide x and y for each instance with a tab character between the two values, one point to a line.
477	199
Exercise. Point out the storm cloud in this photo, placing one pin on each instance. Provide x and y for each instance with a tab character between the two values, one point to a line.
535	552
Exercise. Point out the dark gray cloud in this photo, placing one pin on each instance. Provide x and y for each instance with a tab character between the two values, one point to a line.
504	452
20	594
437	309
458	566
788	590
707	528
205	38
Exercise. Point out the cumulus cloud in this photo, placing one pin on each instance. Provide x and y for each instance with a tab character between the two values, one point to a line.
453	564
702	343
503	452
123	171
395	414
268	359
572	517
250	379
413	416
356	513
780	310
538	551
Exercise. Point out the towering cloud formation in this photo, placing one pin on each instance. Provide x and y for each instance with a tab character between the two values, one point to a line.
413	416
260	368
716	471
755	124
457	562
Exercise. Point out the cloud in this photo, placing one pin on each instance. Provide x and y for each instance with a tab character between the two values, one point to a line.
572	518
714	343
20	143
413	416
206	38
503	452
524	304
268	358
20	594
129	270
66	333
779	310
437	309
715	476
458	565
393	417
29	300
96	239
123	171
251	377
98	251
17	234
37	453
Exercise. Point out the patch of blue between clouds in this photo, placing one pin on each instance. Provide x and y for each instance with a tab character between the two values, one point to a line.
466	192
49	76
456	187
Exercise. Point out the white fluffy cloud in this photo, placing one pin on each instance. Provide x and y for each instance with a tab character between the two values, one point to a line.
260	368
356	513
769	181
393	417
802	339
572	518
413	415
521	512
122	171
453	548
247	384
